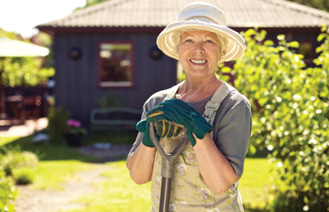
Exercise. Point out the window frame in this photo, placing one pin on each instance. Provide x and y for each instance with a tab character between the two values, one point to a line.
119	84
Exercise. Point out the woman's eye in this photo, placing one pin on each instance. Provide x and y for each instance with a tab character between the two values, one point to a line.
209	41
188	41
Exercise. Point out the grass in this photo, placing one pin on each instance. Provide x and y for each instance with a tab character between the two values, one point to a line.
51	174
57	163
6	140
118	193
254	184
45	151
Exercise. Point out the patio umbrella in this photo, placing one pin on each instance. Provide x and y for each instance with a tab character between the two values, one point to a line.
15	48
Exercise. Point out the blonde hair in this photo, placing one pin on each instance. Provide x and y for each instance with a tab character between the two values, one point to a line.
223	42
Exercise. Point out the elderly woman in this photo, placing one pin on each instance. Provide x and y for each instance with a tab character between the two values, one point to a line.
216	117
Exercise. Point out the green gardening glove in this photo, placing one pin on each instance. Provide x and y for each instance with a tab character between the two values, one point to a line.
167	129
163	129
144	127
181	113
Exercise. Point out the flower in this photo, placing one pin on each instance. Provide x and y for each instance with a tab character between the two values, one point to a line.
74	127
74	123
172	208
205	193
181	169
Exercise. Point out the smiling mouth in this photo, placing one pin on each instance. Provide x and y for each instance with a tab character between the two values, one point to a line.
199	62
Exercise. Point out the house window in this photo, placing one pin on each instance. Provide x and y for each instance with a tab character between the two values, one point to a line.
306	49
115	66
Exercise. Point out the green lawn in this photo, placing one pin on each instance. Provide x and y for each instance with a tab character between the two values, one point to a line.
254	184
6	140
57	163
51	174
118	193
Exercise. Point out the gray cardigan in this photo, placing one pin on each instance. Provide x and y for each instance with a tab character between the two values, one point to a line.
231	127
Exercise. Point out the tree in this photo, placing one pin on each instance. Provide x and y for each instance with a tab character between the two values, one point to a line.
290	107
24	71
319	4
21	71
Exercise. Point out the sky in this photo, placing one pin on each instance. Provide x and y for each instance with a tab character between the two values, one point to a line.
21	16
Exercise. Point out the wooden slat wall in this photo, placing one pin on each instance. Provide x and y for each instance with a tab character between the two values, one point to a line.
77	81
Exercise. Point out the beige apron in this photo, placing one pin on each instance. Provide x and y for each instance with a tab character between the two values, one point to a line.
189	192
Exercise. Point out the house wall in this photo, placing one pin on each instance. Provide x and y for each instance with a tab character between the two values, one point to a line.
77	80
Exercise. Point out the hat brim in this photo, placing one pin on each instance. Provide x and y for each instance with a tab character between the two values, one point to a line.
235	46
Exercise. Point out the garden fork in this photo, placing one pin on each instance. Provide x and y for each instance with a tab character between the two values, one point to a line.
167	167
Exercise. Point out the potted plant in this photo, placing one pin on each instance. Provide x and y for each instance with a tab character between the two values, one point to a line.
74	133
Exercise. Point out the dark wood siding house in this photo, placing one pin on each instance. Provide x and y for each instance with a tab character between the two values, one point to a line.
110	48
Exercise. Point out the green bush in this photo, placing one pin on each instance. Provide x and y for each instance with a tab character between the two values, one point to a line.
290	117
19	164
24	175
8	192
57	118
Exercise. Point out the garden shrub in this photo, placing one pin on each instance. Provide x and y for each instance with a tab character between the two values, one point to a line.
57	118
8	192
19	164
24	175
290	117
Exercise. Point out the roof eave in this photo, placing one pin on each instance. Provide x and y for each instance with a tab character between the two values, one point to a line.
157	29
123	29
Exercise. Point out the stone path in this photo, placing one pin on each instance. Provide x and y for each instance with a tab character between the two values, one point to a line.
31	200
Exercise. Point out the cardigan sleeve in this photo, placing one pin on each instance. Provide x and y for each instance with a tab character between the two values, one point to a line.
232	130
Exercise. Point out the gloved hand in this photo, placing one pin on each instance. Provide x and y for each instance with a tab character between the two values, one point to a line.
167	129
181	113
163	129
144	127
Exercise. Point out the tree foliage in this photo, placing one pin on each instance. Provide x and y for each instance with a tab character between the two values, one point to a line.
26	71
290	117
319	4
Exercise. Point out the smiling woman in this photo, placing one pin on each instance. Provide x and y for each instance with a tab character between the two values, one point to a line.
199	53
212	115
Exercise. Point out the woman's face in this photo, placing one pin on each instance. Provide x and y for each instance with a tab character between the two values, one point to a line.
199	52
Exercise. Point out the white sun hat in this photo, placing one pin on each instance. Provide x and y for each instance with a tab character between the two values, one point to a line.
202	16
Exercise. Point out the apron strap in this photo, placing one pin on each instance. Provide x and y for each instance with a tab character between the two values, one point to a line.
213	105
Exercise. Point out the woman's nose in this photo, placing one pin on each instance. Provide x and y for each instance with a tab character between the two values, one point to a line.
198	47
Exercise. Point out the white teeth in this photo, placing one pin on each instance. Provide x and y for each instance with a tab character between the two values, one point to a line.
198	61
